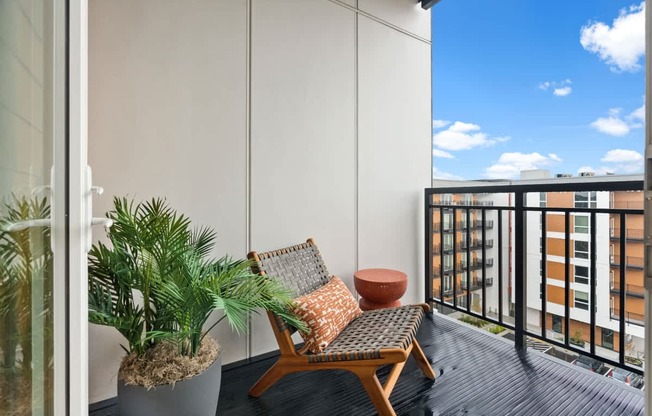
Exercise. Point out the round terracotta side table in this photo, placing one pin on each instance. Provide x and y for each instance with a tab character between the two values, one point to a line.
379	288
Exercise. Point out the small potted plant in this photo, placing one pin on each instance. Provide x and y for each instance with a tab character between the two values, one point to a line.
157	285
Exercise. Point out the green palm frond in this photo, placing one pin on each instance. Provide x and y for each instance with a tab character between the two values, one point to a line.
155	253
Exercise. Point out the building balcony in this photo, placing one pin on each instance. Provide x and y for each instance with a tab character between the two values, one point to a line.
631	234
476	284
634	291
476	264
517	216
630	317
630	262
475	244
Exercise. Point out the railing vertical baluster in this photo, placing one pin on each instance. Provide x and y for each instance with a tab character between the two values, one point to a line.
468	259
428	248
567	277
623	271
593	277
484	263
454	258
500	265
520	284
441	254
544	266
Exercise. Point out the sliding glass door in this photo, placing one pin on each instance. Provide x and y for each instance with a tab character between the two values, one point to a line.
33	131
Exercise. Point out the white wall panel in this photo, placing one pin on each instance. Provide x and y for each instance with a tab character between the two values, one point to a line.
303	133
167	117
394	150
406	14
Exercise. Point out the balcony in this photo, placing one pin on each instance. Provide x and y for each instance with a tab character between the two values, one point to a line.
630	317
635	263
631	234
475	244
476	284
634	291
515	213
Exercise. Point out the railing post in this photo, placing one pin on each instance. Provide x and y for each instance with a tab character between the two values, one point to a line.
520	286
428	247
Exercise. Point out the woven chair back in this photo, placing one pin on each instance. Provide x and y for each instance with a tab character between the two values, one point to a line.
299	267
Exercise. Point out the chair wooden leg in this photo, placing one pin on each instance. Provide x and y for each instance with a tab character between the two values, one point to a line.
272	375
376	392
422	361
393	378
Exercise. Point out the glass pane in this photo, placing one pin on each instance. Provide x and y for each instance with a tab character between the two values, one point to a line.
27	106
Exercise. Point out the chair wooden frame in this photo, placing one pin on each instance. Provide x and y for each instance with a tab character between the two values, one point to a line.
292	360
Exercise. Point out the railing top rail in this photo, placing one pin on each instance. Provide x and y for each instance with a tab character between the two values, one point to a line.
591	183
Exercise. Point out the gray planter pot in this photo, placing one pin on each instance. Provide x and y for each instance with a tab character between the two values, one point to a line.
195	397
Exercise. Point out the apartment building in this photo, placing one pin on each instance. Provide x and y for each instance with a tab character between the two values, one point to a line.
465	249
560	242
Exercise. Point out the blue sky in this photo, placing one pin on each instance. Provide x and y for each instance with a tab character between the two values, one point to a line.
526	84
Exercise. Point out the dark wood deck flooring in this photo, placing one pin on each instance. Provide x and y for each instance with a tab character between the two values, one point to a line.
478	374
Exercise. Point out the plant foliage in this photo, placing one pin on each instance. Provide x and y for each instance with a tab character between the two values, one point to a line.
156	282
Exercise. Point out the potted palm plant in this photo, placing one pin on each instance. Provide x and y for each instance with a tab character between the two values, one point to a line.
156	284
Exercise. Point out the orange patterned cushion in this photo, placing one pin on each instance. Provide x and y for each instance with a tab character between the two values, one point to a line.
326	311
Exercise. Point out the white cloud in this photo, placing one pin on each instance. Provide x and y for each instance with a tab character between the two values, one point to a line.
613	126
438	174
464	136
438	124
563	91
622	156
559	88
620	45
619	161
616	125
442	154
510	165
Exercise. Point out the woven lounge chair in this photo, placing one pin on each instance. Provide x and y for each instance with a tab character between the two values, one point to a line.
374	339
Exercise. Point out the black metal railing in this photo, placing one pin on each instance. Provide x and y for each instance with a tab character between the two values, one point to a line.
513	220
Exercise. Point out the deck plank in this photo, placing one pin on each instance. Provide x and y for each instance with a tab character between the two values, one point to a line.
477	374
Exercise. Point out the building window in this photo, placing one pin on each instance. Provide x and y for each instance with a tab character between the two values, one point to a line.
447	199
586	199
581	300
581	249
448	283
607	338
582	275
448	220
448	262
448	242
582	224
461	301
543	199
468	199
556	323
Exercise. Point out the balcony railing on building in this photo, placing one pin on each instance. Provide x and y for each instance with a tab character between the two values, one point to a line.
630	262
510	226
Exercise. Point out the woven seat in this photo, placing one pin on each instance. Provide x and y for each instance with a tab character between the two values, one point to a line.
373	331
374	339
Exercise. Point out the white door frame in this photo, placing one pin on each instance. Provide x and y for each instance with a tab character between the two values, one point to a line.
71	323
648	206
